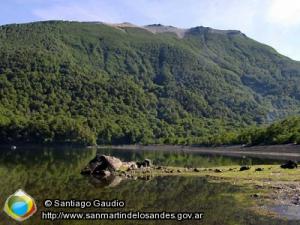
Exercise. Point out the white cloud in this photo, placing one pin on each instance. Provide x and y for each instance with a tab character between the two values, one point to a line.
284	12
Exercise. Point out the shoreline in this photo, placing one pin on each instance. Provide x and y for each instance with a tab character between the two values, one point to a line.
281	152
275	191
276	152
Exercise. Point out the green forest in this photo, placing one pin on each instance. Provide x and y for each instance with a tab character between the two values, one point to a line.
91	83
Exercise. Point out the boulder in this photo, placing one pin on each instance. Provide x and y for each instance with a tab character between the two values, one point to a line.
102	163
148	162
196	170
242	168
259	169
129	166
133	166
145	163
289	165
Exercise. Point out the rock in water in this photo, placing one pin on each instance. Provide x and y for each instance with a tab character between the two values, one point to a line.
196	170
145	163
289	165
148	162
102	163
244	168
129	166
113	163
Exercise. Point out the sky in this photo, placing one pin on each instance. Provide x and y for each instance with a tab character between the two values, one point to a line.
273	22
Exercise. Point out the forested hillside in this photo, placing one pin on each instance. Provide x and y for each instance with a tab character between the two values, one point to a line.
90	82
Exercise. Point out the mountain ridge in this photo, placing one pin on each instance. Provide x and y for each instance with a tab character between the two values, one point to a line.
130	85
154	28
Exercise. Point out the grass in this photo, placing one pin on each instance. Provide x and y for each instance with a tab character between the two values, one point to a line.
259	188
270	173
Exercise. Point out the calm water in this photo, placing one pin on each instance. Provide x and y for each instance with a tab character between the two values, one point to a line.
54	173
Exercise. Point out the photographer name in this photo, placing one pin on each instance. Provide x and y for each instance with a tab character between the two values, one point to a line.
82	204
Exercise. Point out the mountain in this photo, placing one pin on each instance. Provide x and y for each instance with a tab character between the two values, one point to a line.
120	83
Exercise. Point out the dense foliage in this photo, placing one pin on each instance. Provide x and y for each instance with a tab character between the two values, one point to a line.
89	82
282	132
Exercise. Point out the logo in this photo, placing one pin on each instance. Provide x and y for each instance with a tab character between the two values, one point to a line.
20	206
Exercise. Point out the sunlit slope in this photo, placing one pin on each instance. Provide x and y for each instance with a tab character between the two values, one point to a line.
82	82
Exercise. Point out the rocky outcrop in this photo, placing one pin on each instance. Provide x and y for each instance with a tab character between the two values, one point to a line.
102	165
105	166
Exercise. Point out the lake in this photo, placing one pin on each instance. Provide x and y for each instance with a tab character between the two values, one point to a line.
54	173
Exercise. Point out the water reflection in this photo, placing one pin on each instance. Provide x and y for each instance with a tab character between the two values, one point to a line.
54	173
105	182
185	159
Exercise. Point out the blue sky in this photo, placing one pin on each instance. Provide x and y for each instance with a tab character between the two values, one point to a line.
274	22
